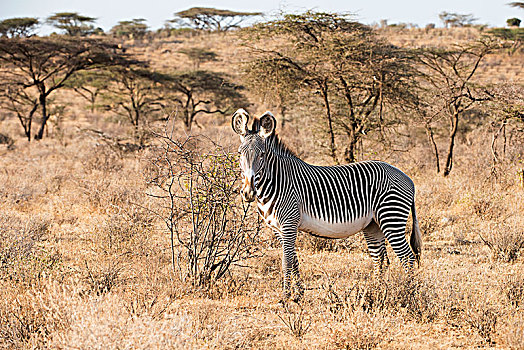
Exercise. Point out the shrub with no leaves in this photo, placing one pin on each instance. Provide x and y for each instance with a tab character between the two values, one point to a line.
504	241
512	288
410	294
210	229
21	259
481	317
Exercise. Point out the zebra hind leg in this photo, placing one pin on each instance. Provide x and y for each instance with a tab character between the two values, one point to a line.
376	242
395	232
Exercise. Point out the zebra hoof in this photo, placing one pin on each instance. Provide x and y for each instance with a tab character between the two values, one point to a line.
285	298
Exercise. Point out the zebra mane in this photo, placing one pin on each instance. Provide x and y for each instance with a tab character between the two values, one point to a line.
278	146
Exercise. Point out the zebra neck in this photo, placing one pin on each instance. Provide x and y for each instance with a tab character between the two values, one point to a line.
275	146
272	179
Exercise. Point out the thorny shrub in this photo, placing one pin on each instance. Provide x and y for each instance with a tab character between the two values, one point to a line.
505	241
295	319
29	318
197	184
481	317
410	294
512	332
22	259
359	332
512	288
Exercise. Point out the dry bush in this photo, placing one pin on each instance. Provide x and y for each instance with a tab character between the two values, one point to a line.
110	191
512	332
104	323
102	158
213	327
7	140
359	332
409	294
481	317
488	206
296	319
147	300
505	241
197	185
121	241
430	224
21	322
127	233
512	288
22	258
102	278
29	318
317	244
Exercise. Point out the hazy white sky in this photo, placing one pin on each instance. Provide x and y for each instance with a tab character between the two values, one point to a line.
109	12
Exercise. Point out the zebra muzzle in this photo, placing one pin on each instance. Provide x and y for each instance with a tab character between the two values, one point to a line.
248	191
248	195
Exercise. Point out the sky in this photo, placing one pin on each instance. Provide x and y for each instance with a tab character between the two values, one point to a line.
156	12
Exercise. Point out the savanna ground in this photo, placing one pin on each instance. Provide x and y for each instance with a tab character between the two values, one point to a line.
85	263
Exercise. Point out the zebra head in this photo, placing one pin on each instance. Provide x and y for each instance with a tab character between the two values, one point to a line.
252	148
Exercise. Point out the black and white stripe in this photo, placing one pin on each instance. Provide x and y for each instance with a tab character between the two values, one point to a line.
326	201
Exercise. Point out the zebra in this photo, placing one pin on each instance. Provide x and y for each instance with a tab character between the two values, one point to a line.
325	201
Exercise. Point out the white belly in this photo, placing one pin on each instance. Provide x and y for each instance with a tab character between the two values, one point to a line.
323	228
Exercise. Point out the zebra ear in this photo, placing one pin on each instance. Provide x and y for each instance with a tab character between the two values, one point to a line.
239	122
267	125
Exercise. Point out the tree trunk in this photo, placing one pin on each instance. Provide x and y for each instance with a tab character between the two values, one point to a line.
352	147
45	116
136	119
93	100
452	134
27	124
189	111
332	145
433	144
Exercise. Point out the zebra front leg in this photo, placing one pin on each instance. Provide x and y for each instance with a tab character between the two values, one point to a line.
290	264
278	235
376	242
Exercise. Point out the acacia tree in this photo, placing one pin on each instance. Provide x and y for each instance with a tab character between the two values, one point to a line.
354	73
204	92
18	27
135	28
506	112
451	90
517	4
456	20
199	55
214	19
89	84
135	93
34	68
72	23
14	97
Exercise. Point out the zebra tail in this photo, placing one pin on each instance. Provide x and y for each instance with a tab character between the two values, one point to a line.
416	239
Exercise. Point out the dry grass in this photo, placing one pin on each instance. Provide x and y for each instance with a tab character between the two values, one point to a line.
85	264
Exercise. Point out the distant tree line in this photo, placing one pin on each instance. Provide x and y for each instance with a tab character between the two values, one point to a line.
356	85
